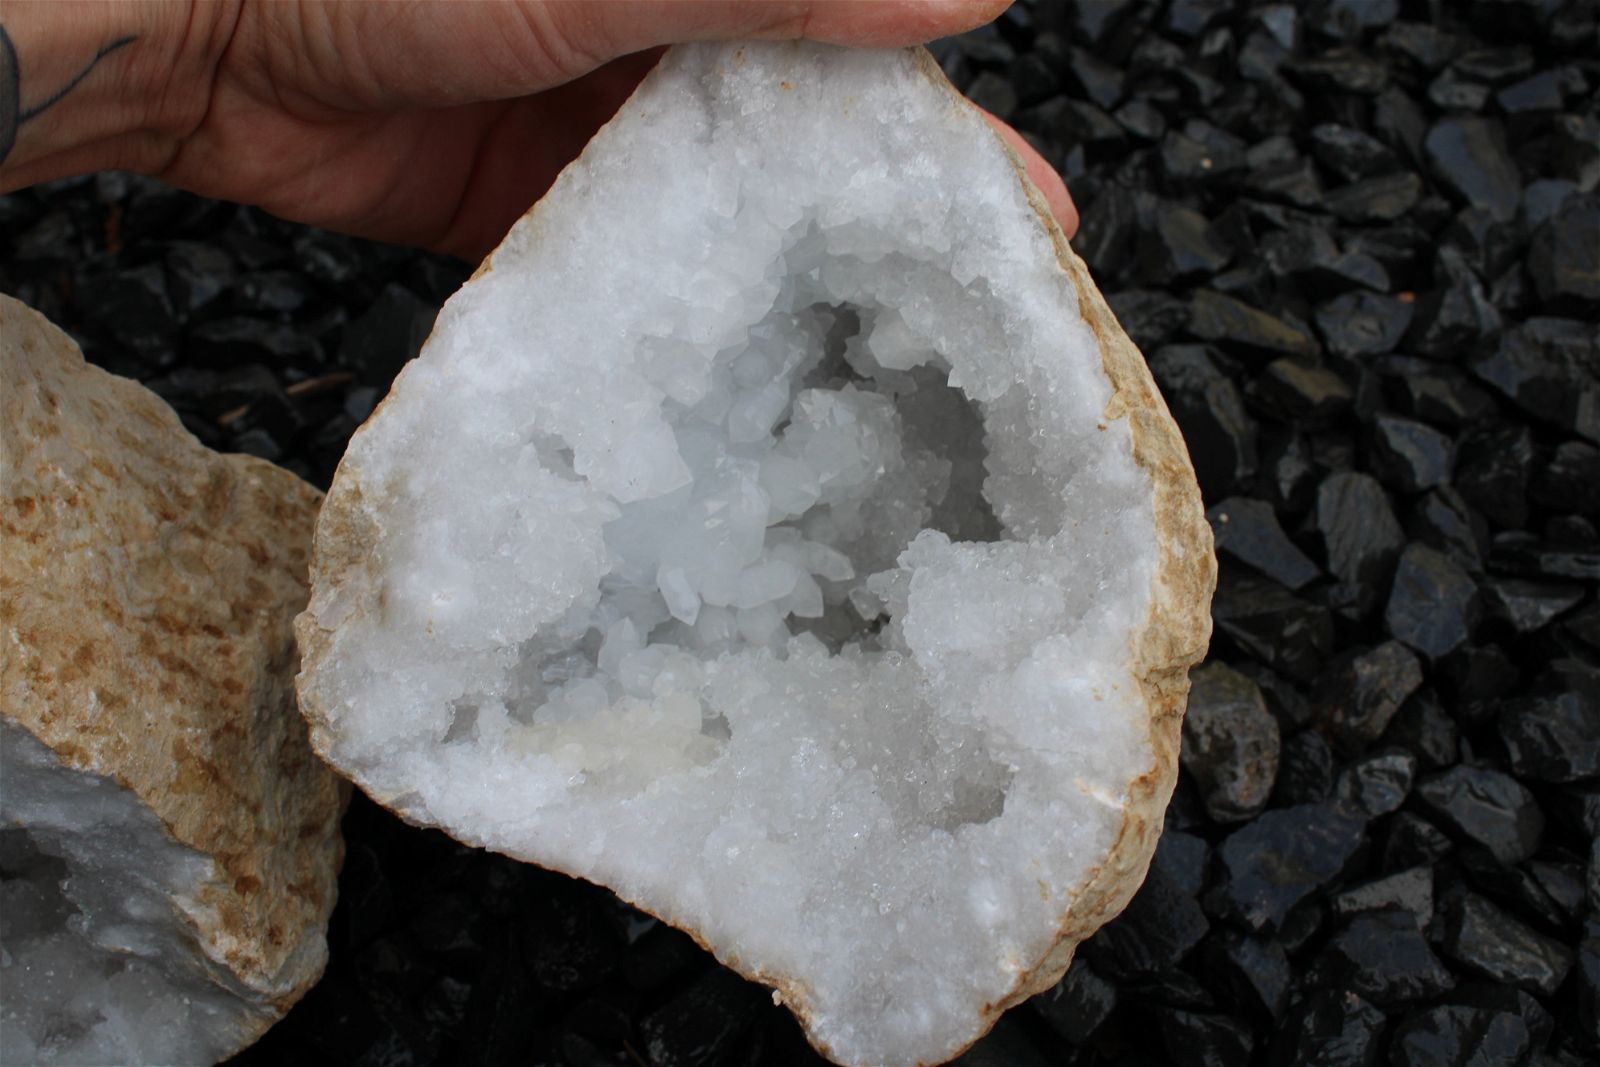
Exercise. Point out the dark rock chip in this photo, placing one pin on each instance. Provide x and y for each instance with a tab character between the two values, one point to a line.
1359	531
1564	258
1527	605
1358	696
1456	316
1342	70
1292	181
1361	324
1494	468
1495	65
1280	859
1350	153
1586	992
1437	394
1301	392
1007	1045
1371	200
1209	410
1157	930
197	274
571	943
1305	770
387	335
1383	957
1454	1035
231	341
1488	245
133	308
1230	743
994	94
1519	554
1433	605
1248	530
1575	150
1513	1001
1303	925
1076	1006
1173	988
1330	1028
1410	456
1408	892
1200	1039
1550	368
1141	119
1151	317
1451	91
1184	858
1316	262
1377	783
1543	198
701	1024
1273	625
1034	78
1566	483
1553	737
1539	92
1070	122
1518	890
271	292
1254	970
1427	46
1485	940
661	955
1413	841
1486	807
1179	244
1443	519
1472	678
1288	477
1105	237
1099	81
1222	319
1471	158
1423	728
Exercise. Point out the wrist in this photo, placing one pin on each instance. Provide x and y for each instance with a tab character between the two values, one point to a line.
99	85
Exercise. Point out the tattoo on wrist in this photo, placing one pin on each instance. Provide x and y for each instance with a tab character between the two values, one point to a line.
12	113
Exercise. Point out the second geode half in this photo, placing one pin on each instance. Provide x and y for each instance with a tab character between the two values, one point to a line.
780	531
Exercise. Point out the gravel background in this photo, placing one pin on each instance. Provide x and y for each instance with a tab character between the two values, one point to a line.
1359	242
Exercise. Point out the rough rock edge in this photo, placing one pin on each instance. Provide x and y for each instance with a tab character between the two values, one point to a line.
1174	638
261	919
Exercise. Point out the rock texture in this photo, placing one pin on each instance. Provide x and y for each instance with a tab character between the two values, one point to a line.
906	816
170	842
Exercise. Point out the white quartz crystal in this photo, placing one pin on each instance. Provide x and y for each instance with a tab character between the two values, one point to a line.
752	537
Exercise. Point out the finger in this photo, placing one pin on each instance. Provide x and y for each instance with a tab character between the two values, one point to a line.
623	26
375	56
1043	175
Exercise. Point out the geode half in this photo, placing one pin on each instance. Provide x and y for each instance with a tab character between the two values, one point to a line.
169	843
780	531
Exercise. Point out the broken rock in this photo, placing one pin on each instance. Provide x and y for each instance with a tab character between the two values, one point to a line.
169	839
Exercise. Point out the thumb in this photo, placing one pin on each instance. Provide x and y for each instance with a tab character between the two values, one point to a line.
605	31
378	56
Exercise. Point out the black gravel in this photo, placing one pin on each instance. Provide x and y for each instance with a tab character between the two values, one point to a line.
1358	242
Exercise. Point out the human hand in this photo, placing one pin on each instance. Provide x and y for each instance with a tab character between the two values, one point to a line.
434	124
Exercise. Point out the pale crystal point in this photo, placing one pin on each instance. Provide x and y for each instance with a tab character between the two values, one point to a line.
780	531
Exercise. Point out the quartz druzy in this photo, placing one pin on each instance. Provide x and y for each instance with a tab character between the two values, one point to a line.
779	530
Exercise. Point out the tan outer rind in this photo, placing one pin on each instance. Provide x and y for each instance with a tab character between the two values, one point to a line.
146	603
1174	638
